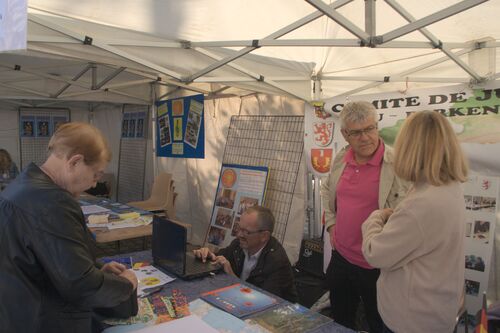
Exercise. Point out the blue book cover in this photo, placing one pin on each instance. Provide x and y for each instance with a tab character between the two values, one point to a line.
239	300
127	261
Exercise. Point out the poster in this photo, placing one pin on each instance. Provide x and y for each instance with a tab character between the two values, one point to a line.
239	188
180	127
57	121
481	195
43	126
134	125
27	126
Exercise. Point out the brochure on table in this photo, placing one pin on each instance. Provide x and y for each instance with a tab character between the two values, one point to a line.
239	188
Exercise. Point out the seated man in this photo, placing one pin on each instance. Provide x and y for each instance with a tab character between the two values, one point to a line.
256	256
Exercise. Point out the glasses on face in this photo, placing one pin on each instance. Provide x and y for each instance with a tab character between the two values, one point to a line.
246	232
357	133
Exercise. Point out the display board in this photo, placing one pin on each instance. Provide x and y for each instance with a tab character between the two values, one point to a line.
481	195
276	142
239	188
180	127
36	126
132	158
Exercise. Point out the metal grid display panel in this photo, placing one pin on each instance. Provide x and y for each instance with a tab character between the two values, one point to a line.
132	162
276	142
34	149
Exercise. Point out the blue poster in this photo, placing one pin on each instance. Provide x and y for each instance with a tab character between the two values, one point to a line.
180	127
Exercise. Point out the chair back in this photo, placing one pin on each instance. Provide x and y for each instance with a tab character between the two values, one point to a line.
161	188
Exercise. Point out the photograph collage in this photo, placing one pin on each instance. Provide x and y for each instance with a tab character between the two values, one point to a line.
234	196
228	208
40	126
480	196
133	125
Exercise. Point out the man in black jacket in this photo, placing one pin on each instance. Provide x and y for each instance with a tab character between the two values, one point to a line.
256	256
49	280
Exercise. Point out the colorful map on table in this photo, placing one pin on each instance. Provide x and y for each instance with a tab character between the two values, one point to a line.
239	300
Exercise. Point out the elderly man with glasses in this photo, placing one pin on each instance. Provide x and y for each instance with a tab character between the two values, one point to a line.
256	256
361	180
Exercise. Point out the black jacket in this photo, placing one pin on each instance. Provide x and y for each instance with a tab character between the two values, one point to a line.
272	272
49	281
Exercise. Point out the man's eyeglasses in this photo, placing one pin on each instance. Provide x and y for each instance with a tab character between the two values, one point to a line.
357	133
246	232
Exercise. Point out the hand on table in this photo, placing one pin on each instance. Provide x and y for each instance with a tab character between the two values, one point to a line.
204	253
113	267
130	275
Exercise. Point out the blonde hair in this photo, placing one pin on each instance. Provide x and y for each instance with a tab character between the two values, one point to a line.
427	149
5	161
356	112
80	138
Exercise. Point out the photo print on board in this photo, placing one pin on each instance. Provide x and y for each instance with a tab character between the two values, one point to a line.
193	123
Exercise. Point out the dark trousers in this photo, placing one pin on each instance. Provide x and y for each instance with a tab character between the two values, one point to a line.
348	284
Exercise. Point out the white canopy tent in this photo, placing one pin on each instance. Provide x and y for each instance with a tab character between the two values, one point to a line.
247	57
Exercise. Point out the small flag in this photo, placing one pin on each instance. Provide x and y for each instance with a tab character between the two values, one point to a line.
482	322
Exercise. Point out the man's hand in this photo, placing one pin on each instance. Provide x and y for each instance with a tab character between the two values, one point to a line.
114	268
226	265
130	275
204	253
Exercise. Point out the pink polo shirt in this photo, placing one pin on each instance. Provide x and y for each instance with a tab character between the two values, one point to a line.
357	198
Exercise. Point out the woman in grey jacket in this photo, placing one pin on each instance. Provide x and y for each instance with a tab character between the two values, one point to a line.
419	247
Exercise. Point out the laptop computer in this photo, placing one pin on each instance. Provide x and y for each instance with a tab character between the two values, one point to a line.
169	249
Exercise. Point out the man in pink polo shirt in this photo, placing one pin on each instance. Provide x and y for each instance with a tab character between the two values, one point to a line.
361	180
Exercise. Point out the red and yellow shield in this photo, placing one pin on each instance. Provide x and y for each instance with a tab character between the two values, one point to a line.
321	159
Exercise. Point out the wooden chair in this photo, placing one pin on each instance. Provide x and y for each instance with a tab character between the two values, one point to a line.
162	196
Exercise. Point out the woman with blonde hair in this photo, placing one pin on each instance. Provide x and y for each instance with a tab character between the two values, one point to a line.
419	247
8	169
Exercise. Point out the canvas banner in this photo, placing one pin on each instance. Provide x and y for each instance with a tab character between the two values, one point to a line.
13	24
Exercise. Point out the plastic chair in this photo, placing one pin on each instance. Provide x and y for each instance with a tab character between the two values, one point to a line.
162	195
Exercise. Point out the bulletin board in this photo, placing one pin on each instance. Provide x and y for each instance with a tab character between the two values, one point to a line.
180	127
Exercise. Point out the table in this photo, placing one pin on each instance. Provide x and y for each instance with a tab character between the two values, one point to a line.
193	288
105	235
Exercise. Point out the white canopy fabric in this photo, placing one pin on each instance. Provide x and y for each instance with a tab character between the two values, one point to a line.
114	50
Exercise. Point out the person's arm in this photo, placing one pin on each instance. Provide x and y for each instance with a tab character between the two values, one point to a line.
281	282
61	245
393	244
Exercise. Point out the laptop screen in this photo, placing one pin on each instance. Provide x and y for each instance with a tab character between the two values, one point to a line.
169	245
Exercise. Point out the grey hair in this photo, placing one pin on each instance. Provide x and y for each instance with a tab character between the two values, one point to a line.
356	112
264	216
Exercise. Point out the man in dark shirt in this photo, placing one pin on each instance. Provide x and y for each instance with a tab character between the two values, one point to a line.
256	256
